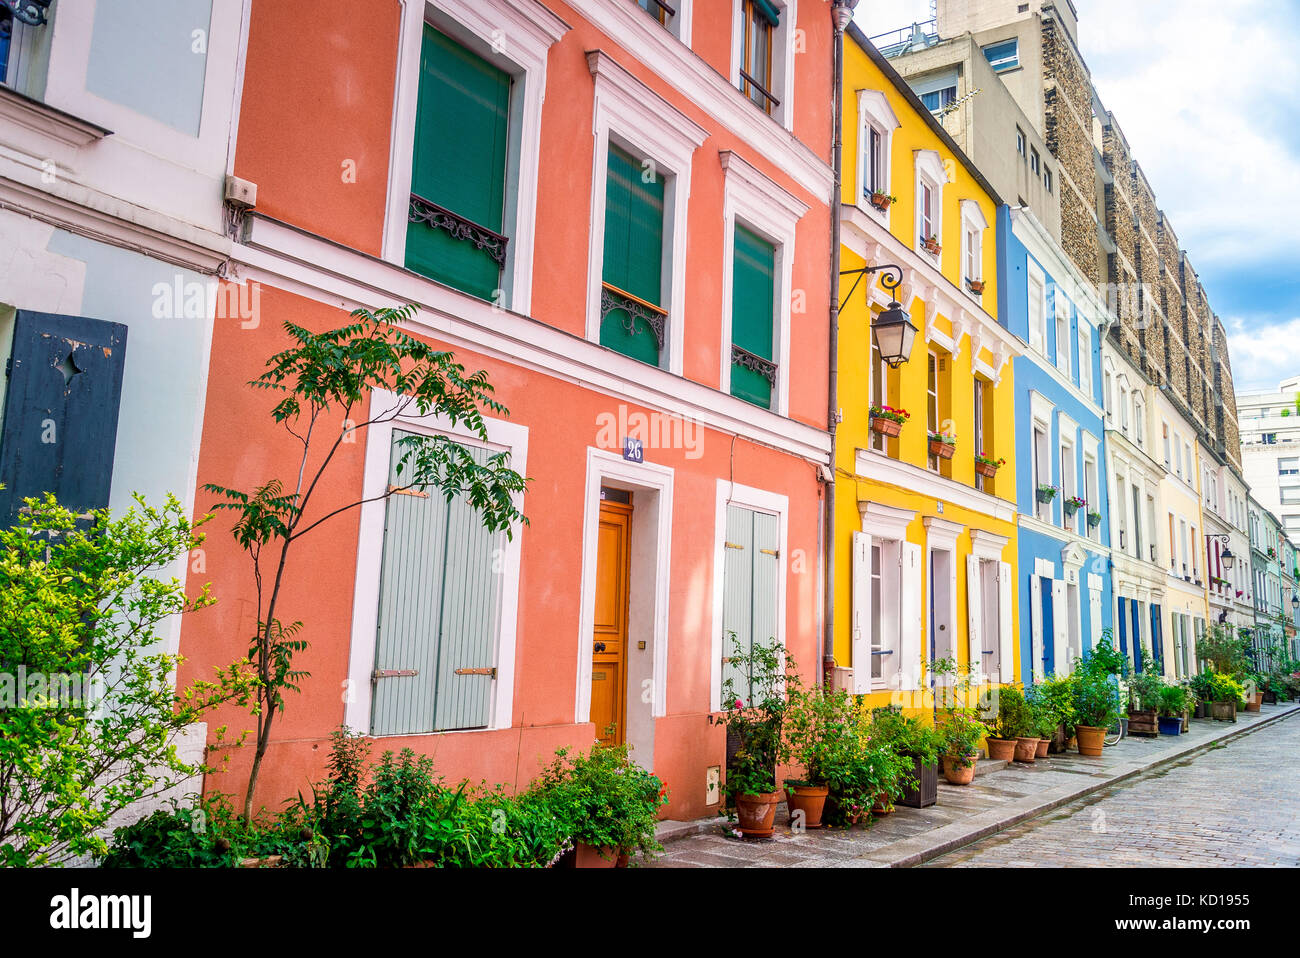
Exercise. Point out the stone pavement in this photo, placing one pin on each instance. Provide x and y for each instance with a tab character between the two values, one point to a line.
1236	804
1005	798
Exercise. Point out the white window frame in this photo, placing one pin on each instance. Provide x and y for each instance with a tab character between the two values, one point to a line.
1068	445
634	117
770	211
1036	284
929	172
1085	360
874	112
973	223
1064	345
783	57
886	526
760	500
479	24
680	26
502	435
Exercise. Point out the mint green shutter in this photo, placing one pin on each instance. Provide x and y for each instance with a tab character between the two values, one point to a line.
633	258
439	605
461	137
753	302
751	568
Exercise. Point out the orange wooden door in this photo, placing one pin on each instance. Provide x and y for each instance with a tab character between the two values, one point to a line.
609	636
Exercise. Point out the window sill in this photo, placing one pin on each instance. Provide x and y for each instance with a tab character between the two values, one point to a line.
26	111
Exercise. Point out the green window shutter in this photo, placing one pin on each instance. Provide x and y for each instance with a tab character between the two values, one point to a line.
633	257
768	11
439	603
461	138
751	568
753	304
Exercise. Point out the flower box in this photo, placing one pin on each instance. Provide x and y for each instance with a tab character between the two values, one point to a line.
886	427
881	201
986	469
943	448
1046	494
1094	520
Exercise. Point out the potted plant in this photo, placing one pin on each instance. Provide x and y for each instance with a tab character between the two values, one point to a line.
1173	703
942	444
1096	698
931	244
976	286
1046	492
1224	695
1052	699
1252	684
1094	519
754	725
1016	721
987	467
1144	689
960	732
881	200
813	732
917	742
887	420
609	803
1073	504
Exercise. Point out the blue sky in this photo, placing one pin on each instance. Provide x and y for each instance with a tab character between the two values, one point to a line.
1203	91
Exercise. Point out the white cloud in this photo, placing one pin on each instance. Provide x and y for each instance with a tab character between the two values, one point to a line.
1262	356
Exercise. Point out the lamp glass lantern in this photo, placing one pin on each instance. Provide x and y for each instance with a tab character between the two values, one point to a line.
1227	558
894	332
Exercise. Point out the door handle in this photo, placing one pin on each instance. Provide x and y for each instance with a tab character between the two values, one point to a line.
598	647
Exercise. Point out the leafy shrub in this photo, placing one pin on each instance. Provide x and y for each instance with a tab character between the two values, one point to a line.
604	798
1052	702
1015	718
906	735
755	714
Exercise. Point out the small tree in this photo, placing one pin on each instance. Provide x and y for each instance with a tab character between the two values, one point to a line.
327	380
1223	649
89	720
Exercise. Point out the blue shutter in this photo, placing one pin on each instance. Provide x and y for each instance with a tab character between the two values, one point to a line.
1123	627
1137	637
439	606
1157	638
60	411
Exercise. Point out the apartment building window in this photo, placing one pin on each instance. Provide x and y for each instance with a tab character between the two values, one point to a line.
1187	462
1123	407
876	181
760	19
1003	56
1138	540
877	121
932	412
1164	431
438	612
973	225
1037	311
981	414
1288	466
1173	546
1042	470
880	394
1020	142
1195	552
1183	546
1064	341
937	100
930	179
1033	160
1067	481
1139	414
1151	526
1090	493
1047	180
750	583
1085	360
632	319
457	207
753	304
888	583
666	13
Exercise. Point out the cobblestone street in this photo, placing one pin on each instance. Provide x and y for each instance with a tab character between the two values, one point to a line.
1214	796
1231	805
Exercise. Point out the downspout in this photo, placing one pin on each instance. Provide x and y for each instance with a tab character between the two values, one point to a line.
842	14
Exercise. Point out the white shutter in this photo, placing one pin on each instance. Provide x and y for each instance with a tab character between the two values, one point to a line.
909	618
974	618
1036	628
1006	626
1094	615
1060	627
861	624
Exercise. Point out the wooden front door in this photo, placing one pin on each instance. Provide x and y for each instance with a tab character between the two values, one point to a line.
609	636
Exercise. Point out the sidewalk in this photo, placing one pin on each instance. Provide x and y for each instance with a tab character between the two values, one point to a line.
993	802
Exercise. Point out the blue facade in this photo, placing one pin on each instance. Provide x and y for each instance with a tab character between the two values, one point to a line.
1064	563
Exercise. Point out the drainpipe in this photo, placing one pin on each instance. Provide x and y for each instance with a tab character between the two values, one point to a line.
842	16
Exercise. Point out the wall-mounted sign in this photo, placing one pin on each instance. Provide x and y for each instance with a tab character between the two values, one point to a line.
633	449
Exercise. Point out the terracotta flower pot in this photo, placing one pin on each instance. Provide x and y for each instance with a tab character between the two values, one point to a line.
1256	701
754	814
880	201
986	469
1002	749
943	450
595	856
886	427
1026	749
958	775
882	805
808	799
1090	739
1043	743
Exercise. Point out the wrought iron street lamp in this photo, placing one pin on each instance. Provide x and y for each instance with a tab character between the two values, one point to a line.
1226	556
893	329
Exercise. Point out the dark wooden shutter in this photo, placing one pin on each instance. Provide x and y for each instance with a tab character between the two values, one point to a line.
63	389
753	298
461	140
633	257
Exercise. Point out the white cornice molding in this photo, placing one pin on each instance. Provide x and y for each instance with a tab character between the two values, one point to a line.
46	121
653	112
1026	521
318	269
987	545
758	190
699	82
873	465
889	522
942	532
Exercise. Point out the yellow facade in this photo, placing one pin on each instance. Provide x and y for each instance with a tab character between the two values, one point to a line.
891	489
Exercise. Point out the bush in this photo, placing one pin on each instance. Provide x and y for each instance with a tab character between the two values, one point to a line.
1146	689
1015	718
906	735
1052	702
